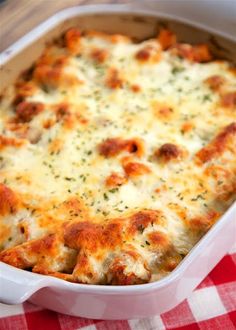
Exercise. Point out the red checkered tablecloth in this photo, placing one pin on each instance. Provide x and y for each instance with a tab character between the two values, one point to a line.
211	306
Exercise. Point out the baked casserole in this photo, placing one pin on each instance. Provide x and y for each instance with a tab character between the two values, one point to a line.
116	157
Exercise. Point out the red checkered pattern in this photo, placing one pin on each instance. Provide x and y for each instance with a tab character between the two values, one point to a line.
211	306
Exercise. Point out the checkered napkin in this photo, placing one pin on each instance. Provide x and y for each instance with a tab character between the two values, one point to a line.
211	306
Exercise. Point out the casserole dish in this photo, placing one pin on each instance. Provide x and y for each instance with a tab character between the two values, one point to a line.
115	302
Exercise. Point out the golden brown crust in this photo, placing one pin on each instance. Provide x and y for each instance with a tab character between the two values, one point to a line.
197	53
135	88
32	253
167	38
228	100
159	240
114	80
218	145
114	146
99	55
139	221
162	110
225	179
215	82
143	54
111	147
148	54
8	200
10	142
115	180
204	222
24	89
47	75
72	40
133	169
187	127
92	237
168	152
26	111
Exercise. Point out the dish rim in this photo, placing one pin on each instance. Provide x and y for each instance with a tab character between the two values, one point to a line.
75	11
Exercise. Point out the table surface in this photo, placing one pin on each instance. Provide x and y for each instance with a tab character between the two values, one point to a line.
218	290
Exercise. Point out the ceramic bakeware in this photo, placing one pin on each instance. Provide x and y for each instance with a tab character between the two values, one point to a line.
191	24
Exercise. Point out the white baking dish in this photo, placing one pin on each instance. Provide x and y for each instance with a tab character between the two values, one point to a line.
120	302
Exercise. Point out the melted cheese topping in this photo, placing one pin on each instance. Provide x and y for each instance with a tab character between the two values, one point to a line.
115	157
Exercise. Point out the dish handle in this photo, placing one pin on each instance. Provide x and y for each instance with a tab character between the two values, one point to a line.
15	288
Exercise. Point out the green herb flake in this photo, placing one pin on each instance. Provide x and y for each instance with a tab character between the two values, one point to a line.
105	197
114	190
206	98
69	179
177	69
197	198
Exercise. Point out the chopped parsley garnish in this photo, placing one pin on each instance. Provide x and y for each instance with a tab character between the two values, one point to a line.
206	97
105	197
197	198
69	179
113	190
83	177
177	69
